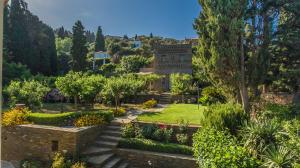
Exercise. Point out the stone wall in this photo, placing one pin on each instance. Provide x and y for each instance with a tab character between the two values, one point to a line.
191	129
145	159
41	142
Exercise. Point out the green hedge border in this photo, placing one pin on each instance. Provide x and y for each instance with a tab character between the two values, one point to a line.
154	146
64	119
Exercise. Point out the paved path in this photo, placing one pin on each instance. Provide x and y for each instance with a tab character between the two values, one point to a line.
5	164
133	114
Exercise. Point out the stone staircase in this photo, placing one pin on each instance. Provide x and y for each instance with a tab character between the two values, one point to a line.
165	98
101	154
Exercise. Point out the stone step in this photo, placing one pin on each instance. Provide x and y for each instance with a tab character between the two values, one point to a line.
106	144
112	133
113	128
113	163
109	138
94	150
99	161
123	165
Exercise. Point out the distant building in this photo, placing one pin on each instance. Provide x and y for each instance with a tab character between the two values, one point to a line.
100	56
170	59
137	44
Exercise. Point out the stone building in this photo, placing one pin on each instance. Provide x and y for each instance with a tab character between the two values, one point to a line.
170	59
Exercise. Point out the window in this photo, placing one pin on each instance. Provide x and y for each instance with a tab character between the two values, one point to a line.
54	146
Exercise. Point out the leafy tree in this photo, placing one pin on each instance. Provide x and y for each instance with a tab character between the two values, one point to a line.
180	84
63	47
70	85
221	50
79	49
100	40
116	88
29	92
91	86
108	69
132	64
125	37
120	87
149	79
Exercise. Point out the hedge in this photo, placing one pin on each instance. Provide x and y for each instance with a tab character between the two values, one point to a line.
150	145
64	119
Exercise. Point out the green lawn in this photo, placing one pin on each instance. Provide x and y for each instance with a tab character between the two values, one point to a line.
174	113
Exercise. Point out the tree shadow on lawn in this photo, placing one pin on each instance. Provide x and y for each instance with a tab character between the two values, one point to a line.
150	114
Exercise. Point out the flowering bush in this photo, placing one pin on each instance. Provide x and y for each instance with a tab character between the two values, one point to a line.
15	116
89	120
79	165
119	112
150	104
182	138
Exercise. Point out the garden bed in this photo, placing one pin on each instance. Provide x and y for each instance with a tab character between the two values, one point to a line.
150	145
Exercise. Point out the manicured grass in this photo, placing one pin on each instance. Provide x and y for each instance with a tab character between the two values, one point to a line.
174	113
150	145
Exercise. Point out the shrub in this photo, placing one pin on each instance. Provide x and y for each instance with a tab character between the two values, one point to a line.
59	161
224	116
89	120
128	131
119	112
281	112
15	116
148	130
150	104
211	95
183	126
149	145
279	157
162	134
257	135
182	138
215	148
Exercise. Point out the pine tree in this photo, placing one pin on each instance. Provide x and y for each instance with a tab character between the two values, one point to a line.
79	49
125	37
100	40
90	36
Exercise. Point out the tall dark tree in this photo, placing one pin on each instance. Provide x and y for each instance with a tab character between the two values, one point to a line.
19	45
90	36
125	37
100	40
151	35
79	48
285	67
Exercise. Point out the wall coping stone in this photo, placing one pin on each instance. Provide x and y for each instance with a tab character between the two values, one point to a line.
64	129
176	156
159	123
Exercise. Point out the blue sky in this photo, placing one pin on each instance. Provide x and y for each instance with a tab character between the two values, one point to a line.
167	18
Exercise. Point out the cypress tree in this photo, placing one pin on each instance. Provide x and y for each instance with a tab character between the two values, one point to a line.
100	40
79	49
221	51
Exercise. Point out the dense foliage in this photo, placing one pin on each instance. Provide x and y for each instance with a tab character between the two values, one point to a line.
15	116
211	95
150	104
31	93
224	116
89	120
149	145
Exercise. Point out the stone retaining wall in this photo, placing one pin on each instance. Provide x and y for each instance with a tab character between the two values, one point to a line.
191	129
41	142
145	159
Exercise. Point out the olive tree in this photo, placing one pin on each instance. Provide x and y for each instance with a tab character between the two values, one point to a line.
70	85
31	93
180	84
